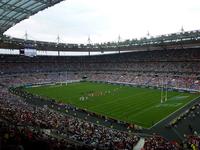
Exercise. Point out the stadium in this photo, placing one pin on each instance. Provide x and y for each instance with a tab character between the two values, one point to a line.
145	96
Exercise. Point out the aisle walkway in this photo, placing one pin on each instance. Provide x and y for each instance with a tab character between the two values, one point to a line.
139	145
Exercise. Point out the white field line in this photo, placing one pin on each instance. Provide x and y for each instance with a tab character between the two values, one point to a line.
147	109
144	110
121	98
173	112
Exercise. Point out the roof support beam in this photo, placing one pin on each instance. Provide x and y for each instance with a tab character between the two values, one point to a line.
22	16
18	9
49	1
1	33
10	19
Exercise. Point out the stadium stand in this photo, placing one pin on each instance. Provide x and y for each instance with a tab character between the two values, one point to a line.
178	67
34	122
29	122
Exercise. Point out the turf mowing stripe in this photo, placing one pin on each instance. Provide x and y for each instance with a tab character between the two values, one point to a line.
125	103
113	101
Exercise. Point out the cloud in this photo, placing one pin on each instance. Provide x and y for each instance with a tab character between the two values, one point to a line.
104	20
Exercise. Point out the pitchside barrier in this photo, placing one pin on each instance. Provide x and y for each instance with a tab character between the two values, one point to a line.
49	83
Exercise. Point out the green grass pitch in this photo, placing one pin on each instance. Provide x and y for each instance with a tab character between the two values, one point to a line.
140	106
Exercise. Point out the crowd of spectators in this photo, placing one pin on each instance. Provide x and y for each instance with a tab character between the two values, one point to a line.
177	62
176	82
159	143
22	137
192	142
192	112
20	113
156	142
176	68
22	122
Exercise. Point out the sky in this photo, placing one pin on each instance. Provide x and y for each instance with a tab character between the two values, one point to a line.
105	20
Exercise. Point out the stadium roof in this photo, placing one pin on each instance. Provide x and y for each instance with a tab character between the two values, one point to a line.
181	40
14	11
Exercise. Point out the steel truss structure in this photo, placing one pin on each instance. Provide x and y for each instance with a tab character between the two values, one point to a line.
14	11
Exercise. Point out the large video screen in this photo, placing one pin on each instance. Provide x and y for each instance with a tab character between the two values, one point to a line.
30	52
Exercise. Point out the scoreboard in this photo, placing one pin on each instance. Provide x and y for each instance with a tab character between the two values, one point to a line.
29	50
